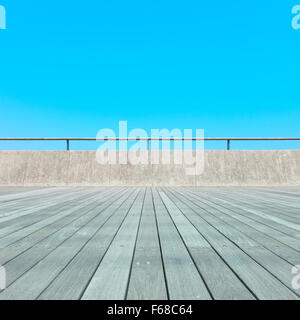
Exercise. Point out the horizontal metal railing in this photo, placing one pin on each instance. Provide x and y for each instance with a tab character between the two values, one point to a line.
149	139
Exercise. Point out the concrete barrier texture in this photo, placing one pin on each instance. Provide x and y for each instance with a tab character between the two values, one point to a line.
80	168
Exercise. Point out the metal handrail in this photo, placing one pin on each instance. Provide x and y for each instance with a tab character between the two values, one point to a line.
149	139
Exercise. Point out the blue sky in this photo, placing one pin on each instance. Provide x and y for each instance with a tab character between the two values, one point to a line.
70	68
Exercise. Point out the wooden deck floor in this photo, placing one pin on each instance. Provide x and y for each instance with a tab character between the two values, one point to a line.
149	243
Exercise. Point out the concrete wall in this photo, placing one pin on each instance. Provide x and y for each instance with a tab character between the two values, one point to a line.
222	168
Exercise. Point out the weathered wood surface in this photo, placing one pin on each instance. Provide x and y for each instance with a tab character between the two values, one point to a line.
149	243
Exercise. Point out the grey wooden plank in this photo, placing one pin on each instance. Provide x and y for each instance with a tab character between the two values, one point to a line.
284	192
34	193
221	281
45	271
11	202
23	262
183	279
29	219
14	190
277	208
240	223
263	195
275	231
37	205
28	204
261	283
275	265
147	280
22	243
13	237
258	215
271	205
54	193
70	284
111	277
240	245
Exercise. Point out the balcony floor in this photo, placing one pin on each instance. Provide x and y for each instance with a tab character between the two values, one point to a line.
149	243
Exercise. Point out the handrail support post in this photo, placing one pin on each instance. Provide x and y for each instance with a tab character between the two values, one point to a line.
228	144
